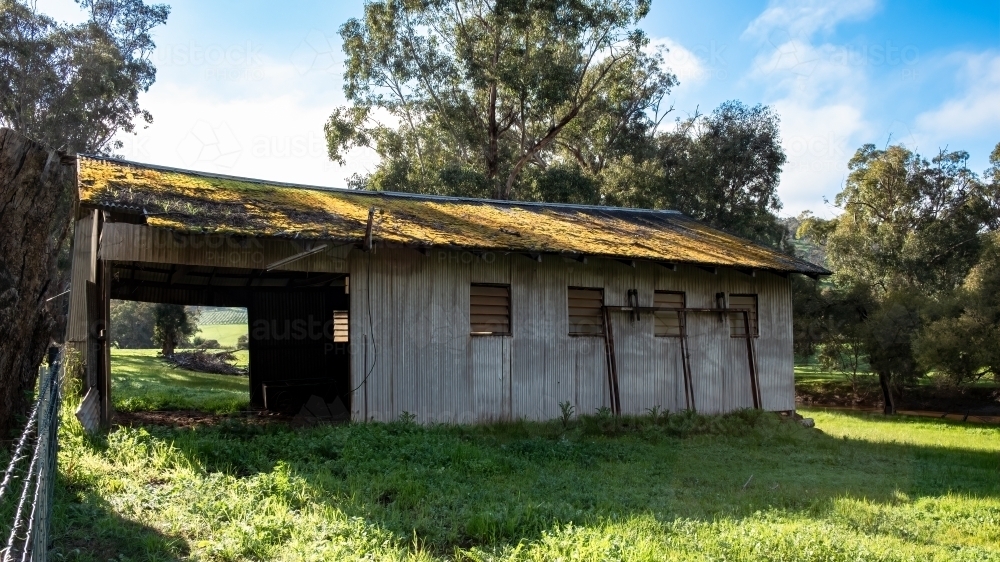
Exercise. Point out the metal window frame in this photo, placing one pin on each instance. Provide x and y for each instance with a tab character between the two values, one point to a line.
569	325
756	313
510	311
680	317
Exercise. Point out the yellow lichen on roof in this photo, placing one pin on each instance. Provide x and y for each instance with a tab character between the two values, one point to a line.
193	202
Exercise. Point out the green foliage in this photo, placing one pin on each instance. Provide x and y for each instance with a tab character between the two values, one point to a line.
73	87
480	91
172	325
913	243
962	335
201	343
546	101
908	224
566	411
563	183
863	488
131	324
722	169
656	414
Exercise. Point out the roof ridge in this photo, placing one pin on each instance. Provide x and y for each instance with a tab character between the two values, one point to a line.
401	194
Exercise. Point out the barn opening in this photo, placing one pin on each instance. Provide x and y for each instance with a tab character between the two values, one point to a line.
206	371
297	347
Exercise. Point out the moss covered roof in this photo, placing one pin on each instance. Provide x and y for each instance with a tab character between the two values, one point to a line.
187	201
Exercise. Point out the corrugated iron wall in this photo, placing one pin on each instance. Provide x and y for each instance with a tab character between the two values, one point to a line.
132	242
423	360
291	339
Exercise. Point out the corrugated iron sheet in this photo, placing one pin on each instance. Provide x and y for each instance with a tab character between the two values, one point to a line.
187	201
291	340
429	365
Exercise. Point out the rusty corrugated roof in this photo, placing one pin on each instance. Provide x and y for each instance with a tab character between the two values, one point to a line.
188	201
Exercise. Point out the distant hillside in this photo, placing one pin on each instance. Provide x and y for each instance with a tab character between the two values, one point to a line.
216	315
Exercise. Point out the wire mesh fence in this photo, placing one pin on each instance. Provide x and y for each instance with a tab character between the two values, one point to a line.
28	483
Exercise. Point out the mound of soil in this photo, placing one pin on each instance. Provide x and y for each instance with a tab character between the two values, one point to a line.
192	418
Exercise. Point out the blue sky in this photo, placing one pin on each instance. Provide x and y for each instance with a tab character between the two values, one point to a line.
244	87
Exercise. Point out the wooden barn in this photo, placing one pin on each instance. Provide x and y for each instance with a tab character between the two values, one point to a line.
450	309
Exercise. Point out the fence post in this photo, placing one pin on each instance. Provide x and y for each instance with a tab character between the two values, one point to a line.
48	432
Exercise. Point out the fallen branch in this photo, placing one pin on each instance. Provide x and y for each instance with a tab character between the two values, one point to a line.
201	360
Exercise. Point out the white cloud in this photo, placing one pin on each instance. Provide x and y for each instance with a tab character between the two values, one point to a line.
818	89
818	139
273	130
803	18
975	111
822	107
685	63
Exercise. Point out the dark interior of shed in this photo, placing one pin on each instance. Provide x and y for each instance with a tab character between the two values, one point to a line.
299	346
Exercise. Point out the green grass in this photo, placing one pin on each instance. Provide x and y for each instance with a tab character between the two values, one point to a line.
744	487
813	373
741	487
141	381
225	334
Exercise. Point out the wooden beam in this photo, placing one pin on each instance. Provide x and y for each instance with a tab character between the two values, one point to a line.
296	257
368	229
710	269
533	256
630	263
747	271
177	274
667	265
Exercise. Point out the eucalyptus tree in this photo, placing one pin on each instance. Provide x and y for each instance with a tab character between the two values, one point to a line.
908	224
910	233
464	96
722	168
73	87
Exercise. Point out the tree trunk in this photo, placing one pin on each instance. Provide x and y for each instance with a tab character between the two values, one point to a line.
890	402
168	347
37	198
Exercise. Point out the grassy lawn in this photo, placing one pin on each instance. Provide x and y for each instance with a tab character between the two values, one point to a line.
813	373
225	334
742	487
141	381
748	486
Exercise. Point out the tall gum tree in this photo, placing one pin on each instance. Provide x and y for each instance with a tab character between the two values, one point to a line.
473	92
63	89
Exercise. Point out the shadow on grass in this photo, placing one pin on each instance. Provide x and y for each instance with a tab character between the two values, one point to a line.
86	528
495	486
